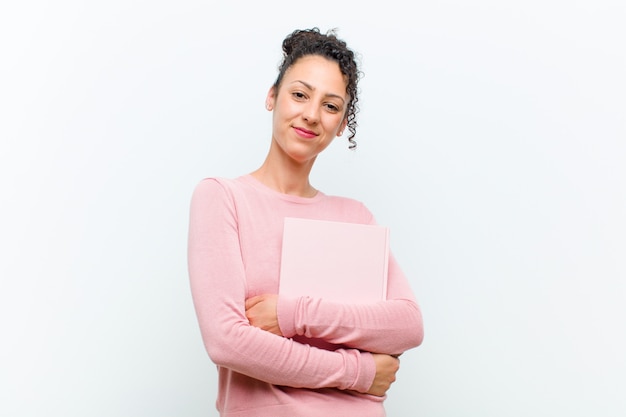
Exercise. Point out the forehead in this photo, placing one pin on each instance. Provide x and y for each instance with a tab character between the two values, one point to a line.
319	72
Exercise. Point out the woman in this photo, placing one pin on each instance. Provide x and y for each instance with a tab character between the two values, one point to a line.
280	356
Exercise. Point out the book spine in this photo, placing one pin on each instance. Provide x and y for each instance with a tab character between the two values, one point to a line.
386	265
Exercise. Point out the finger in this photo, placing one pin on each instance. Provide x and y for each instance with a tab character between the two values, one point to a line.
252	301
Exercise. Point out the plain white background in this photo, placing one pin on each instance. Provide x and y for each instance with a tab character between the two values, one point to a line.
492	141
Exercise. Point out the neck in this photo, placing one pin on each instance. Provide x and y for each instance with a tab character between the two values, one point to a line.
286	178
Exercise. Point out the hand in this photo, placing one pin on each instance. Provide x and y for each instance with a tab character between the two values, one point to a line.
261	312
386	368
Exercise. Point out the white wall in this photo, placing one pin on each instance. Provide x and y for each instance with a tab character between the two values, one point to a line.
492	140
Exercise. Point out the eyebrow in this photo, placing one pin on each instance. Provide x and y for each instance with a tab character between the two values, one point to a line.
310	87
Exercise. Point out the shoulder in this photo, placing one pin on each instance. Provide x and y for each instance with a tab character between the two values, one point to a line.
351	209
216	185
208	186
211	189
227	190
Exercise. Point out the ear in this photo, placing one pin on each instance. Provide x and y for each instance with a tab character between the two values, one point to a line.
342	126
270	100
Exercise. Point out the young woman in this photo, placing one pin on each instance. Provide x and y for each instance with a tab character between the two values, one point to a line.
279	356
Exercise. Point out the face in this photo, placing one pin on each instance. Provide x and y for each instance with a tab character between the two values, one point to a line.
309	108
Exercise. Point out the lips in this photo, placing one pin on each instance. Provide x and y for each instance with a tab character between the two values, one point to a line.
304	133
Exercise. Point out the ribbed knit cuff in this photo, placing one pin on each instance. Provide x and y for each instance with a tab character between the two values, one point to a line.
286	312
365	370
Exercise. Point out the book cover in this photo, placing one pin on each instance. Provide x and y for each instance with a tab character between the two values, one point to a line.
335	261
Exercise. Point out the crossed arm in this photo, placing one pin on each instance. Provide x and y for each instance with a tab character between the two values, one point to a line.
262	312
254	336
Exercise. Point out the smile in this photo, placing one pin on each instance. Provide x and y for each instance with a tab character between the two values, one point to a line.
307	134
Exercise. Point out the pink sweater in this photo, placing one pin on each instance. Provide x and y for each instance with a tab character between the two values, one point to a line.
322	366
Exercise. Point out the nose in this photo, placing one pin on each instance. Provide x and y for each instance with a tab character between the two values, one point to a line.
311	113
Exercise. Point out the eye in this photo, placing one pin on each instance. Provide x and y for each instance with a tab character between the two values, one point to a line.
332	107
298	95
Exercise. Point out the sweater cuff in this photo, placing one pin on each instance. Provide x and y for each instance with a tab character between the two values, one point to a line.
366	374
286	312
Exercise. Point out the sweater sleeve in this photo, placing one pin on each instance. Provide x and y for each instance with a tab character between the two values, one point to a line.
392	326
218	287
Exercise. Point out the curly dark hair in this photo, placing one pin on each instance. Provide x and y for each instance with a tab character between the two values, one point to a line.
306	42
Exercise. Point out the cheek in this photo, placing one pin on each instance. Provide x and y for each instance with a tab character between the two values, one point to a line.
336	125
286	111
